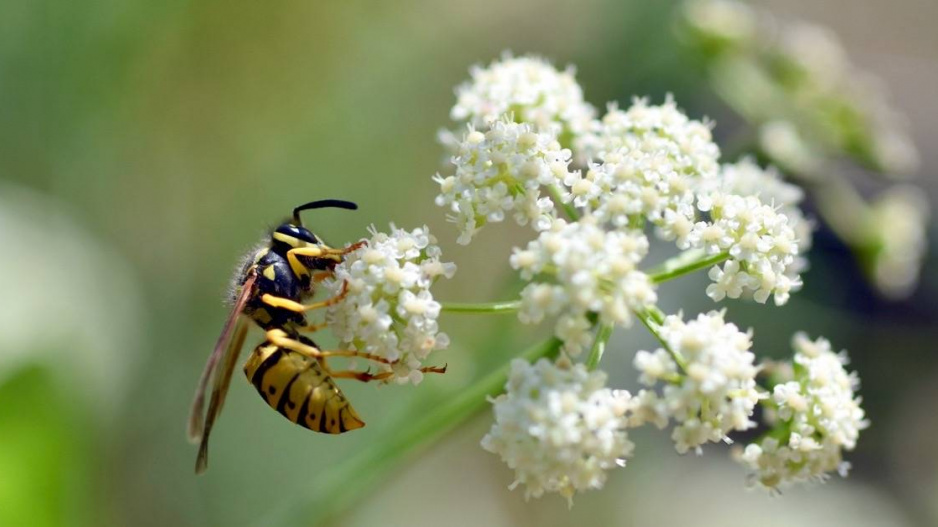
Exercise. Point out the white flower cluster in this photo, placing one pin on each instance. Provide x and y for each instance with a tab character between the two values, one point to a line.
580	268
662	132
818	416
799	73
746	178
653	160
647	169
828	77
762	246
898	222
500	171
528	87
389	310
726	22
559	427
709	381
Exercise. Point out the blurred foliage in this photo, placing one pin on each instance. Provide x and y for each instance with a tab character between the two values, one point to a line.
170	134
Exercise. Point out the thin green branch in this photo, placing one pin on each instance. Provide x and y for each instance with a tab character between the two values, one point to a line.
341	488
599	346
652	319
568	208
482	308
681	265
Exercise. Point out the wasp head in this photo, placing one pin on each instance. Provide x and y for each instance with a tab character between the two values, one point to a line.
291	234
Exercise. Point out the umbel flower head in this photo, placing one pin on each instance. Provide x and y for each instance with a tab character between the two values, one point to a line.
817	416
559	427
778	71
389	310
762	247
579	268
653	160
662	133
898	223
499	170
708	378
640	172
746	178
530	89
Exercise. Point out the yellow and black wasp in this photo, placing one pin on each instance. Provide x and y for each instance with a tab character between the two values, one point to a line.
288	369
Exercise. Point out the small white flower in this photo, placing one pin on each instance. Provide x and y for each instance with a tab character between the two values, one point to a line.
559	427
589	270
817	417
389	310
528	87
499	171
712	393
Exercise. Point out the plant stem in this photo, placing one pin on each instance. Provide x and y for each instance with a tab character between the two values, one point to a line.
685	263
652	319
568	208
343	487
599	346
485	307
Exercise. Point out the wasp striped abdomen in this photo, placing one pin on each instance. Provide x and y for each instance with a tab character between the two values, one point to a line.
297	386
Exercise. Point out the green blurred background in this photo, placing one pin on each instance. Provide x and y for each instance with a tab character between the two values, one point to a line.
145	145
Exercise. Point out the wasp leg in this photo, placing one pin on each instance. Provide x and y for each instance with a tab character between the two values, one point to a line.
280	338
367	376
292	305
318	251
319	276
312	328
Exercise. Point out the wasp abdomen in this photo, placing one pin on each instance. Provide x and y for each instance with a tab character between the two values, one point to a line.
296	386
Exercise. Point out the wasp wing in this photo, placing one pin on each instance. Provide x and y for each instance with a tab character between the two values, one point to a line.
196	426
219	391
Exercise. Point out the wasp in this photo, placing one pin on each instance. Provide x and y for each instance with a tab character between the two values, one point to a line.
288	369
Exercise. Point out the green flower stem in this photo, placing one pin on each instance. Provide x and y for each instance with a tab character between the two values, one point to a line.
656	314
482	308
652	319
599	346
685	263
568	208
343	487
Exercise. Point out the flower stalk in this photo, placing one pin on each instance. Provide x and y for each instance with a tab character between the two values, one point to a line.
484	308
686	263
599	346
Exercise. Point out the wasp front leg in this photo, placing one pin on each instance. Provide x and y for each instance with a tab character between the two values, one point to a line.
317	251
292	305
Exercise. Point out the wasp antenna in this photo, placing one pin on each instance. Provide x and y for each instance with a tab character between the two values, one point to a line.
322	204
